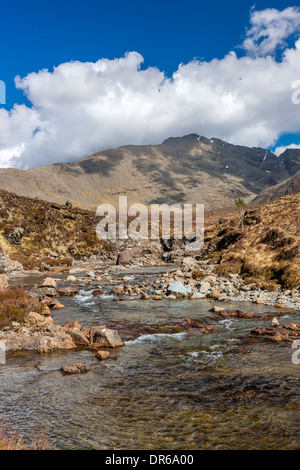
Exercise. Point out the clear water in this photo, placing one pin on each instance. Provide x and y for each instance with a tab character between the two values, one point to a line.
180	391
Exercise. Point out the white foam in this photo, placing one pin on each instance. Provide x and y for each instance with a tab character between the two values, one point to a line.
84	297
151	338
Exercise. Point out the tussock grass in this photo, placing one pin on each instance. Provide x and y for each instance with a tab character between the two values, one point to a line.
14	441
53	234
268	251
15	304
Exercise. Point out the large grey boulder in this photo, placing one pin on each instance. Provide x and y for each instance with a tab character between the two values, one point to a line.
179	289
106	337
128	255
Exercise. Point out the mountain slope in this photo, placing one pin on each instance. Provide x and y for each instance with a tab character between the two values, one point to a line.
184	169
268	251
290	186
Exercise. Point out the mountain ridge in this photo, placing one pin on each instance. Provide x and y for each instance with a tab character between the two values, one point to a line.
188	169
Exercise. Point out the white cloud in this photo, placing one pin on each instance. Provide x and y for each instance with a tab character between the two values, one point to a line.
270	29
279	150
81	108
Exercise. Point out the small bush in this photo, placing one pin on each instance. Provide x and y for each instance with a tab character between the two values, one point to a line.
15	304
14	441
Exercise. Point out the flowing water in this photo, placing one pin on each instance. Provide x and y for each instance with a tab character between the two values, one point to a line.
181	391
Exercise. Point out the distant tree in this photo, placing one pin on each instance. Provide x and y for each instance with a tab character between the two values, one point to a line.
242	208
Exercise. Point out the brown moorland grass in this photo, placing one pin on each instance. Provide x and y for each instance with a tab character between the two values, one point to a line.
15	304
53	234
14	441
268	251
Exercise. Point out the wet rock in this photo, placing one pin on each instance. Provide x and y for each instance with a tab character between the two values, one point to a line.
145	296
274	322
215	309
78	337
97	293
78	368
56	305
110	338
128	278
49	282
235	313
282	334
68	291
102	355
238	351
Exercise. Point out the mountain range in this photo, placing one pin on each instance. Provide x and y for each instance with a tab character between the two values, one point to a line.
190	169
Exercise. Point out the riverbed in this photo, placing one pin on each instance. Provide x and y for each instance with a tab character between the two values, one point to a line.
180	391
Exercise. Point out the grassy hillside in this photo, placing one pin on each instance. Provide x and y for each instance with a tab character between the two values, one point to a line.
268	251
50	234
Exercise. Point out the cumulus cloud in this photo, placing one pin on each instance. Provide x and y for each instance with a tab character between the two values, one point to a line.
81	108
270	29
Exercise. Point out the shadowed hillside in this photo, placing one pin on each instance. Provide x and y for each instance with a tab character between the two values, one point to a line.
268	251
290	186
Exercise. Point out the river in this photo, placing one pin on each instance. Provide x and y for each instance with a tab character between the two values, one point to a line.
181	391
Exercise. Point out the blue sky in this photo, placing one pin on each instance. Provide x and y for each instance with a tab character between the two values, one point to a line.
37	35
41	35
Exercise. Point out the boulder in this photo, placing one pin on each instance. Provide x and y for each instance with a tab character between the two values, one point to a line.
126	256
144	296
49	282
46	339
197	295
205	287
274	322
34	318
49	291
72	325
56	305
78	337
78	368
7	265
68	291
102	355
15	235
189	261
109	338
97	293
178	289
